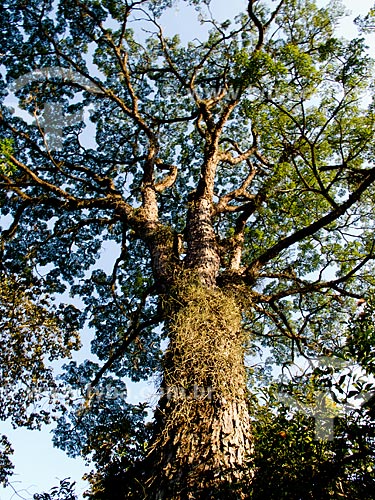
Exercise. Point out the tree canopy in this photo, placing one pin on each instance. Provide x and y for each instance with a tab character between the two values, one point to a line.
203	211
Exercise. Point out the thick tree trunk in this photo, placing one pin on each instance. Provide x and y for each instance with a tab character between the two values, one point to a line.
203	435
202	254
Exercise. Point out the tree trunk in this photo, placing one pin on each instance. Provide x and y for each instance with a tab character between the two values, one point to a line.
202	436
203	427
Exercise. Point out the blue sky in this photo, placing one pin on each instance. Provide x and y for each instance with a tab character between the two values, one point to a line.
39	466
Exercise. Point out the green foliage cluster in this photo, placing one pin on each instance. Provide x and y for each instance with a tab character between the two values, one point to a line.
6	166
290	459
65	491
292	464
361	340
33	335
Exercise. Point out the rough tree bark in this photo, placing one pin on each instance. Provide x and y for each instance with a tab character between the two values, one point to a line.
202	433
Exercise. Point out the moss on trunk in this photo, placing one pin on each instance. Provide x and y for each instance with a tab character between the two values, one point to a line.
203	435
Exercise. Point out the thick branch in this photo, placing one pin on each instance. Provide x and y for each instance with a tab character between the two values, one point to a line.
258	24
305	232
239	193
304	287
169	180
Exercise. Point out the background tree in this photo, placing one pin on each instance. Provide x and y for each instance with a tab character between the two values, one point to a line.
64	492
233	181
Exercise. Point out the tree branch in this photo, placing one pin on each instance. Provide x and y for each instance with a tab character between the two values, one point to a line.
258	24
299	235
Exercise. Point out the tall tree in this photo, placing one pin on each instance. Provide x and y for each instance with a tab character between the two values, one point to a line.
233	180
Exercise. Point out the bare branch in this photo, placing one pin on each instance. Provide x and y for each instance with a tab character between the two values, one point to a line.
274	14
229	158
304	287
132	333
258	24
9	233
